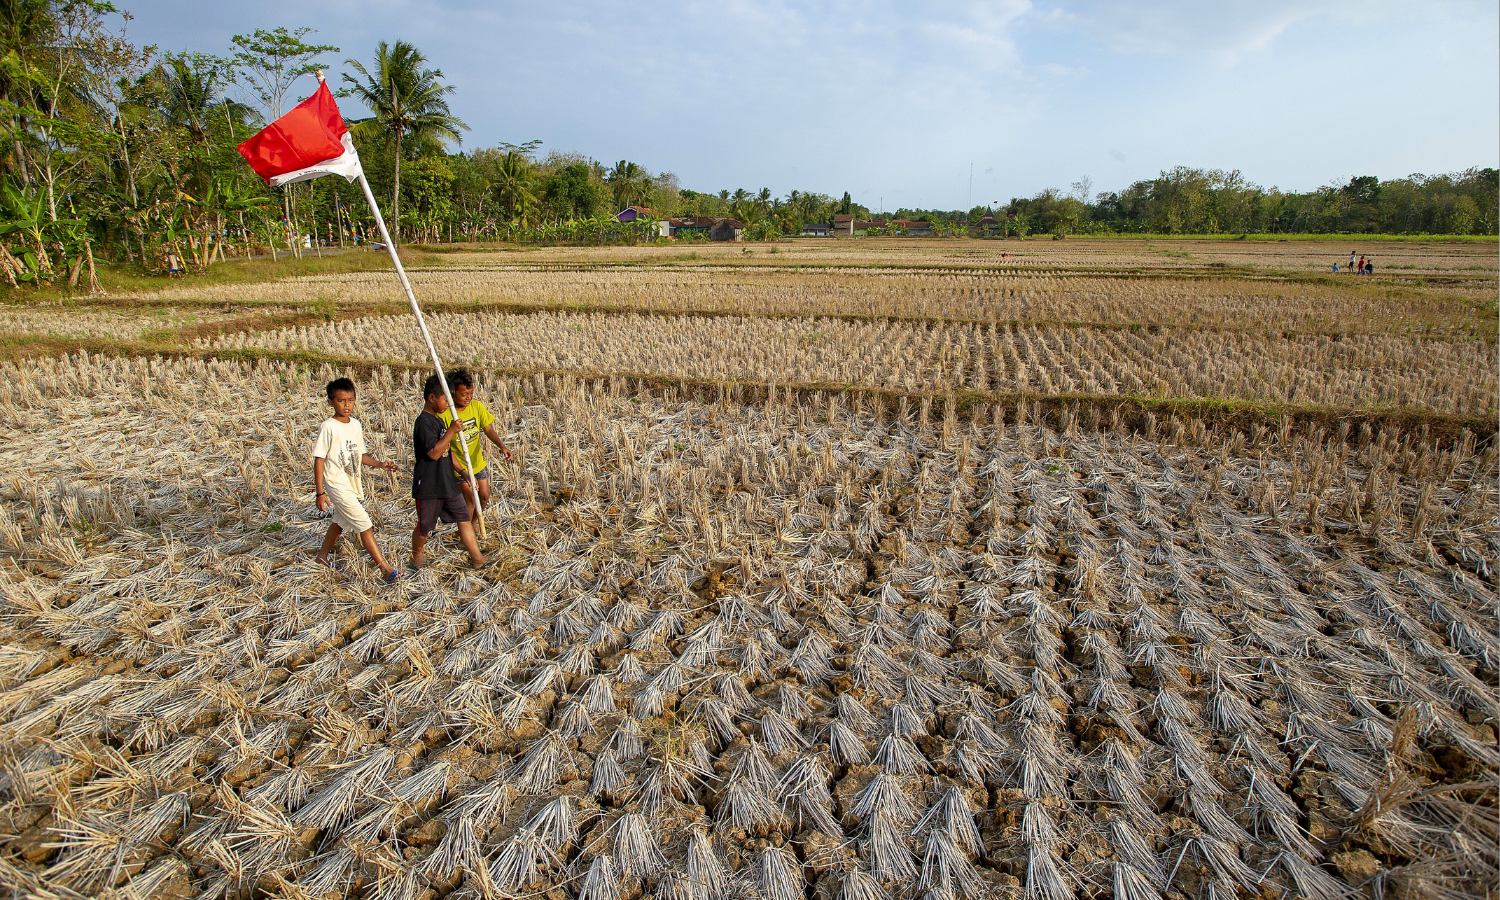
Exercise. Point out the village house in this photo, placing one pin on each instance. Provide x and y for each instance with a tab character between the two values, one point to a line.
725	230
848	226
716	228
635	213
913	227
817	229
986	226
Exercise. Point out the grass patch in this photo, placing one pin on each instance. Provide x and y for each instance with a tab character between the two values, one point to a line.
119	278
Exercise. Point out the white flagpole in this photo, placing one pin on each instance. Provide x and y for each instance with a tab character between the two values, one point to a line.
416	310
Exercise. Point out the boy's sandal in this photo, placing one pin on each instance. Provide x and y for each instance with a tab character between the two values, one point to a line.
393	576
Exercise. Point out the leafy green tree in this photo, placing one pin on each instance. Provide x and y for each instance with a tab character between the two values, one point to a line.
27	28
572	193
429	195
270	61
406	99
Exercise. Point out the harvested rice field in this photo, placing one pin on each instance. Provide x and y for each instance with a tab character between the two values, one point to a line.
1372	370
783	602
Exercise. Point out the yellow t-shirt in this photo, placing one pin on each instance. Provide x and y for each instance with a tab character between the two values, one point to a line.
476	418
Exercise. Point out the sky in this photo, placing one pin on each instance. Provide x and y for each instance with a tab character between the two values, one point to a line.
938	105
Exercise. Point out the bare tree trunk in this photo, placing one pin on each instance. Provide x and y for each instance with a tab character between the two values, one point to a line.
88	256
395	228
292	241
119	123
21	166
51	178
10	267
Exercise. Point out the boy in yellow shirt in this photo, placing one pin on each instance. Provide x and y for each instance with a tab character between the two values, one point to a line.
477	420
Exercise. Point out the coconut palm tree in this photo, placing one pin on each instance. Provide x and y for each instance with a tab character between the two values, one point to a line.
627	181
405	98
513	187
192	99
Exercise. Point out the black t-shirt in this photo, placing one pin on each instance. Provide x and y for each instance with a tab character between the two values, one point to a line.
431	479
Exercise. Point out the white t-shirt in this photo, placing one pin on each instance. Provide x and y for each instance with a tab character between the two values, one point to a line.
341	445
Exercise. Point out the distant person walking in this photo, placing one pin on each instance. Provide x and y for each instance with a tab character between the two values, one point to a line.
1351	261
1360	269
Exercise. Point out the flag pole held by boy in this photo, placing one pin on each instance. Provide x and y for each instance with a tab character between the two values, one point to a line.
311	141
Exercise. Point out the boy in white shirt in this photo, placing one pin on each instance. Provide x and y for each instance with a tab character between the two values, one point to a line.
337	457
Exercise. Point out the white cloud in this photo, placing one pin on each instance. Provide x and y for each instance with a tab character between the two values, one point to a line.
1226	33
1260	37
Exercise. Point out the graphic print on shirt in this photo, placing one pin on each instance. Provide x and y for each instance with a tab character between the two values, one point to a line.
349	460
476	418
471	435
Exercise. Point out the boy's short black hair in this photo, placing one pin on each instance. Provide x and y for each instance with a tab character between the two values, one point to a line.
340	384
460	378
432	387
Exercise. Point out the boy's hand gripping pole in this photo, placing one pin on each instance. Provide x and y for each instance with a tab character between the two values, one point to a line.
437	364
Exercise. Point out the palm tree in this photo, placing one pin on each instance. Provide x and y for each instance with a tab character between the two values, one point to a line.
191	89
627	180
407	99
192	99
513	187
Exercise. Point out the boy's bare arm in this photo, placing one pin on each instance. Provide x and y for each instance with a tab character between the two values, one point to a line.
440	449
318	483
494	435
374	463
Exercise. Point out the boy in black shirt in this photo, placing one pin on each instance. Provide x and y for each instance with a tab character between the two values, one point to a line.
433	484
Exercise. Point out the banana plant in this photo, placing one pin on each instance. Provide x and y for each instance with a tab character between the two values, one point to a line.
23	221
26	233
227	198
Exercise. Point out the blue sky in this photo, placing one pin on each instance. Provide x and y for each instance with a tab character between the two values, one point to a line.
896	100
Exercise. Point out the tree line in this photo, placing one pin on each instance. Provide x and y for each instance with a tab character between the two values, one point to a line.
124	153
1185	200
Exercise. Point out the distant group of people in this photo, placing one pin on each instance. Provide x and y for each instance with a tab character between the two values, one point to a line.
1365	265
439	477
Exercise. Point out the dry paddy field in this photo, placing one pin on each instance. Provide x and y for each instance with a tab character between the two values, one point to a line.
845	572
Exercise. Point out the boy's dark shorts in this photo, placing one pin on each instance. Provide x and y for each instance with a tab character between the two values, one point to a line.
463	477
449	509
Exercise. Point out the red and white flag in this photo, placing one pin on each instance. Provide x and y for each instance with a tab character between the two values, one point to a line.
309	141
